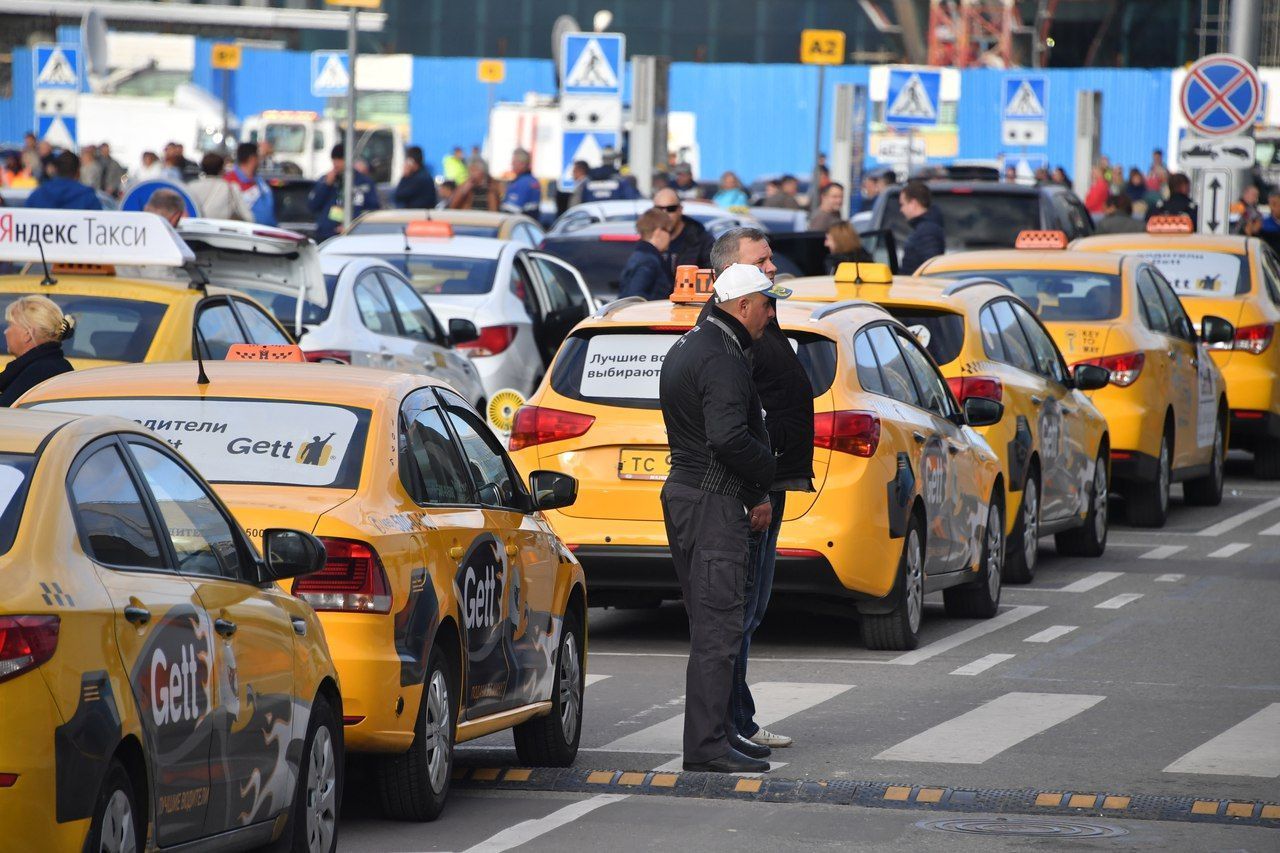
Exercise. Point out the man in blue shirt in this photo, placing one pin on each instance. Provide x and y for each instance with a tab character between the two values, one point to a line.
253	188
645	274
64	191
524	193
327	197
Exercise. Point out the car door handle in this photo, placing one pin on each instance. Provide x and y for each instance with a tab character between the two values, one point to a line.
299	625
225	627
137	615
512	550
456	552
1067	410
953	448
918	436
1035	401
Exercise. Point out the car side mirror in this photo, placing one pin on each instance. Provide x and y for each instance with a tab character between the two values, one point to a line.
552	489
291	554
980	411
1090	377
1216	330
462	331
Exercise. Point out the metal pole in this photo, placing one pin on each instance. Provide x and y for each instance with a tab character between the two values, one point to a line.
226	119
1246	29
817	143
349	143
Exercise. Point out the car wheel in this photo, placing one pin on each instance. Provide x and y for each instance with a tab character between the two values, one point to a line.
1090	538
899	629
1207	490
552	740
1266	461
1148	503
116	826
313	821
980	599
415	784
1023	550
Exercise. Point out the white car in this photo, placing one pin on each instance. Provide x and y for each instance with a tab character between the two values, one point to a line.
352	311
523	302
714	218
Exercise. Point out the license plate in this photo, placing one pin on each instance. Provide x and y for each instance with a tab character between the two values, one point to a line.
641	463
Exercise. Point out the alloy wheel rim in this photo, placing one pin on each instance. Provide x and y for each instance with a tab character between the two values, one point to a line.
117	826
1164	474
915	582
570	688
1030	523
322	793
438	737
1100	500
995	551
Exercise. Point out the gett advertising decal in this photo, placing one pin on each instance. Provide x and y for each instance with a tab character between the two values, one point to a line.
482	586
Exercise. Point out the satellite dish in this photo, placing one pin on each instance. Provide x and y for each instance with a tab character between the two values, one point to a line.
602	20
564	24
93	41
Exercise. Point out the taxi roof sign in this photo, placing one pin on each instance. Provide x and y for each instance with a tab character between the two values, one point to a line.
692	284
265	352
428	228
1175	224
90	237
1041	240
850	272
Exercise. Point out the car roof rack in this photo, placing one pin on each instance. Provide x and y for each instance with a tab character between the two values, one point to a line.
835	307
609	307
966	283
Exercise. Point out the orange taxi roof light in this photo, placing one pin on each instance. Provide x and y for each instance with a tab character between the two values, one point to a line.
82	269
692	284
265	352
863	273
1041	240
1175	224
428	228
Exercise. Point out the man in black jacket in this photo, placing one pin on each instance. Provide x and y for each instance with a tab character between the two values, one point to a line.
786	395
1179	202
927	238
716	494
417	188
690	242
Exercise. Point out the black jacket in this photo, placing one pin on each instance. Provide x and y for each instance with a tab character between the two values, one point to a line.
645	274
858	256
927	240
28	370
1177	204
712	412
693	246
416	190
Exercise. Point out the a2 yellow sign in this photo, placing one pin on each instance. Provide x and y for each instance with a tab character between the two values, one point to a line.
822	47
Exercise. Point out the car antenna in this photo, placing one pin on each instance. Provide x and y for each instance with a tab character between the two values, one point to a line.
48	277
404	234
202	378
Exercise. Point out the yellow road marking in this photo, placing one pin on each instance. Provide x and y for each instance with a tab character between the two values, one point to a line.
747	786
1204	807
1115	803
485	774
1239	809
1271	812
631	779
897	792
600	777
930	795
517	774
663	780
460	772
1082	801
1049	800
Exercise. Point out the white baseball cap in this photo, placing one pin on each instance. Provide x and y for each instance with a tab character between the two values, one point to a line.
739	280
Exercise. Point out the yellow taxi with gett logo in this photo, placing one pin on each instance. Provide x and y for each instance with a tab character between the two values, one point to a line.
1238	278
909	498
1052	441
132	285
1166	403
156	687
452	609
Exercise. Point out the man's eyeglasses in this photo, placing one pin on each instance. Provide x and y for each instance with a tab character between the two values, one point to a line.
667	208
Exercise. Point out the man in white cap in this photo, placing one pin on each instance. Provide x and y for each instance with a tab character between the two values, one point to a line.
716	495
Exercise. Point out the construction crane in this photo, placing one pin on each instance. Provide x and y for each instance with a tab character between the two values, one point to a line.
968	33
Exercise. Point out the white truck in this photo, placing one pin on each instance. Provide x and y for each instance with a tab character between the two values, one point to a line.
302	140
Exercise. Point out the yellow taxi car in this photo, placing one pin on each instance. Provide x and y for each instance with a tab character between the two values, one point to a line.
909	499
156	687
452	609
1237	278
1166	404
1052	441
132	285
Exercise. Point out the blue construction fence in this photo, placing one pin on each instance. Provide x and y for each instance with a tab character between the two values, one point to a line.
753	119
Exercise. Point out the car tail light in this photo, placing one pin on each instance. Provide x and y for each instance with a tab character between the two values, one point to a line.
26	642
802	553
1124	368
491	341
352	580
1248	414
536	425
352	719
619	238
7	779
1121	454
328	356
987	387
1254	339
848	432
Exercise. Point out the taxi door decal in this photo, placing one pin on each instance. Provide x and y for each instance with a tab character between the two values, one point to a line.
415	625
1206	399
83	746
901	490
482	582
1019	454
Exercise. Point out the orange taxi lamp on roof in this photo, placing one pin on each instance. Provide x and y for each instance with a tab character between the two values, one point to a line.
265	352
1177	224
428	228
692	284
1041	240
863	273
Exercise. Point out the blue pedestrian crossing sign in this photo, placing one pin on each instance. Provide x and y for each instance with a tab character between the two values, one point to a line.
592	63
57	67
59	131
1220	95
56	80
912	100
330	73
588	145
1025	98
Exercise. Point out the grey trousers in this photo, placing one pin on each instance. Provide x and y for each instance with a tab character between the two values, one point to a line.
708	534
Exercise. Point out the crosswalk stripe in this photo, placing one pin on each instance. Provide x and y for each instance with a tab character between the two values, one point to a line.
1163	552
526	831
982	664
988	730
1242	518
1119	601
1169	578
775	700
1230	550
593	678
1048	635
1092	581
1249	748
1273	530
959	638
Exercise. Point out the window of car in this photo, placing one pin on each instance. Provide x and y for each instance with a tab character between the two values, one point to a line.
898	383
431	470
941	332
15	477
218	330
415	318
1179	323
1048	361
259	326
1061	295
106	328
491	473
115	526
522	287
1197	273
202	538
374	307
1270	274
933	390
972	219
1153	310
431	274
562	286
1017	350
868	369
991	344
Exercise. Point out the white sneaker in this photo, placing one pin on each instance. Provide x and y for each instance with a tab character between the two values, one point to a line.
764	737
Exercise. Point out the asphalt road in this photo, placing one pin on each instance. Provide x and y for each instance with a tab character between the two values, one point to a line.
1131	701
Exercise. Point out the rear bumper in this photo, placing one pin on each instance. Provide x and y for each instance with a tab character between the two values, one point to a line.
1130	467
1249	426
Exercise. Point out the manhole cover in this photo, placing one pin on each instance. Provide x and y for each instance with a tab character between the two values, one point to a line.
1024	827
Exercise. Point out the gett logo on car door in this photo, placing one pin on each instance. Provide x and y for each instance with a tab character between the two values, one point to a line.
482	587
175	675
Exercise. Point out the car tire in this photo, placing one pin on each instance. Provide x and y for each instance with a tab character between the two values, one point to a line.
1266	460
1207	490
313	821
1022	550
980	599
552	740
1090	538
415	784
117	824
1147	504
899	629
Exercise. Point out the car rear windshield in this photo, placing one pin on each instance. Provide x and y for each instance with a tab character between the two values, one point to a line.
290	202
940	332
1201	273
437	275
599	261
375	227
595	365
107	329
974	220
1057	295
248	441
15	475
284	305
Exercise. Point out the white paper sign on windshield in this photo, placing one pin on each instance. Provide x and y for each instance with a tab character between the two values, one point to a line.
625	365
242	441
1197	273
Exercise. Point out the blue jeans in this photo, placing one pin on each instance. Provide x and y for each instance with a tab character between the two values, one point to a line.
761	557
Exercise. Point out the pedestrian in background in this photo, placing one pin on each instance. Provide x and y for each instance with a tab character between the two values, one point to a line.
328	196
254	190
1095	200
927	238
417	189
149	167
34	334
844	246
214	196
785	196
1157	174
1060	177
690	242
168	205
445	192
606	182
685	186
113	172
267	157
90	168
715	496
830	202
646	274
455	168
64	191
524	193
1119	217
578	175
1179	201
731	193
31	155
1270	230
1249	222
479	191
